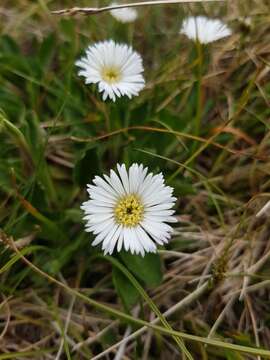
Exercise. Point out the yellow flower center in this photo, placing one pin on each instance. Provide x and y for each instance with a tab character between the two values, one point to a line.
129	211
111	74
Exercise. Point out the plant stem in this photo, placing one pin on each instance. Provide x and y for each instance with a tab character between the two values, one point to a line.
198	117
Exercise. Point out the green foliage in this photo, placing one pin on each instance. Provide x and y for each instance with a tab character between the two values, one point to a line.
127	292
87	166
147	268
231	355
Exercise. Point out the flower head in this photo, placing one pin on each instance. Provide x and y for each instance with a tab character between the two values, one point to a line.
129	210
204	30
124	15
116	68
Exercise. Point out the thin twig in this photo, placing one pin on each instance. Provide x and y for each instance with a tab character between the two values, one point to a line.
5	303
121	351
96	337
221	316
264	210
254	323
91	11
59	353
252	270
147	341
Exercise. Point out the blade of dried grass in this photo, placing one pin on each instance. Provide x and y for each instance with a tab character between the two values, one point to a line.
254	322
139	322
92	11
207	142
6	304
177	307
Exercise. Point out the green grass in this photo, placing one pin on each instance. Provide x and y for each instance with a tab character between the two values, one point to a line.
203	121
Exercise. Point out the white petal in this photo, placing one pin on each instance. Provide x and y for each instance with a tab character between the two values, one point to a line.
148	244
124	176
100	218
97	228
120	241
106	241
105	186
101	236
113	241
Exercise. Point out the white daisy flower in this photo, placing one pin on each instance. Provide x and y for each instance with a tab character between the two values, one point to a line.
129	210
116	68
124	15
204	30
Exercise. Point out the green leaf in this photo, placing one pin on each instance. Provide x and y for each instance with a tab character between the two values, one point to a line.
47	50
147	268
8	45
232	355
126	291
86	167
15	258
183	187
60	256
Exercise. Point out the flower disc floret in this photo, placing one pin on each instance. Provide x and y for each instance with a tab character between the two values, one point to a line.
111	75
129	211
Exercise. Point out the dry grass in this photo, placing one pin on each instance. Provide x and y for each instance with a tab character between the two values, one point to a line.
221	185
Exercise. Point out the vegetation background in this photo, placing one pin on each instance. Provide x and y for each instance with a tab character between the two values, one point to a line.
203	120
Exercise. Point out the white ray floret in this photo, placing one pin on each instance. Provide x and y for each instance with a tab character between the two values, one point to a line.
124	15
129	210
116	68
204	30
